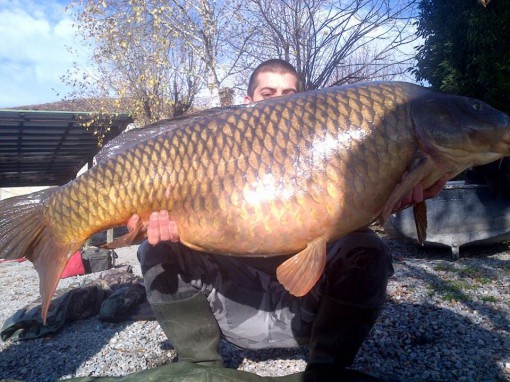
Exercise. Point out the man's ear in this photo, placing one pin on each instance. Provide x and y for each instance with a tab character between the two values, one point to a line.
247	100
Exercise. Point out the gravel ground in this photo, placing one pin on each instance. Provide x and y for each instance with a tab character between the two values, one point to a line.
443	321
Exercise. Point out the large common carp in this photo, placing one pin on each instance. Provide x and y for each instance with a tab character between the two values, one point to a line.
281	176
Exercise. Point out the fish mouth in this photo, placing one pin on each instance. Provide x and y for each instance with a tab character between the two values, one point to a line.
505	140
506	148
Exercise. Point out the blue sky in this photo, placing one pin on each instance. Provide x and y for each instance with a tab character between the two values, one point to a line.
33	55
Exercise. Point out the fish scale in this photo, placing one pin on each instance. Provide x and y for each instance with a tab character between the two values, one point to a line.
282	176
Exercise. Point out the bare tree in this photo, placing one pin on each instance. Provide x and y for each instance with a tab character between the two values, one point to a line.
154	55
334	42
138	65
207	28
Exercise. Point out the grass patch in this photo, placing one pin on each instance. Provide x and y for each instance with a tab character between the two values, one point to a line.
459	281
489	299
471	272
448	292
464	272
444	267
453	290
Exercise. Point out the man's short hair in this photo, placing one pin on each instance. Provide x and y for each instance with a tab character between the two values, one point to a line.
274	65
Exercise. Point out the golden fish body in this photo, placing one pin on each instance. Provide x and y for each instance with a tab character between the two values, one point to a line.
282	176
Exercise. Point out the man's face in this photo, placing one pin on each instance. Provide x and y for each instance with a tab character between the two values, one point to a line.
273	85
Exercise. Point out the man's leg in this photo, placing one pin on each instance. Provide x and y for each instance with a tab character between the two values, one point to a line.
252	309
353	291
179	304
255	311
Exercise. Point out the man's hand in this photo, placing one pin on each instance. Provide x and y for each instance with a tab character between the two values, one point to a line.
418	194
159	228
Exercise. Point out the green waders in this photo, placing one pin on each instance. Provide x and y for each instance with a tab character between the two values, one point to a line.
338	332
192	329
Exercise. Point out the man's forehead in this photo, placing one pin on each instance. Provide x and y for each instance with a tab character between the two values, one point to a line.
273	80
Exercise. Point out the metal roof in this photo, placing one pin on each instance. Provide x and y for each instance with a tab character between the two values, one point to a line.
48	148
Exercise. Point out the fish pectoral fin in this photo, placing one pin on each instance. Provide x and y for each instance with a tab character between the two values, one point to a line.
137	234
300	273
420	167
420	220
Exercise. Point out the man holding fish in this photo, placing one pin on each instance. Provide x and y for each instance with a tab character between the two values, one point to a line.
199	297
290	181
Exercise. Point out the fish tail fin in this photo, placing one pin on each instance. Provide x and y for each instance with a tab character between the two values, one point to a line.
24	233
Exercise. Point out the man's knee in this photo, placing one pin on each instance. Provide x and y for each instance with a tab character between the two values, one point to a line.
172	271
358	268
362	250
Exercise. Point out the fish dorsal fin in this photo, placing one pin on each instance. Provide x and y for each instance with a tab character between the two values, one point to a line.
300	273
420	167
131	137
420	220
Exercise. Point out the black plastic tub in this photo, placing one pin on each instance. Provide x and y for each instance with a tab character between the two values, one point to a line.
461	214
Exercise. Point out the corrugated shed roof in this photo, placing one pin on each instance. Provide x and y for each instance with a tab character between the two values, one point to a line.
46	148
79	105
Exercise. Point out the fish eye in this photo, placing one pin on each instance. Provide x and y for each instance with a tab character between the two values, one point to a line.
477	106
